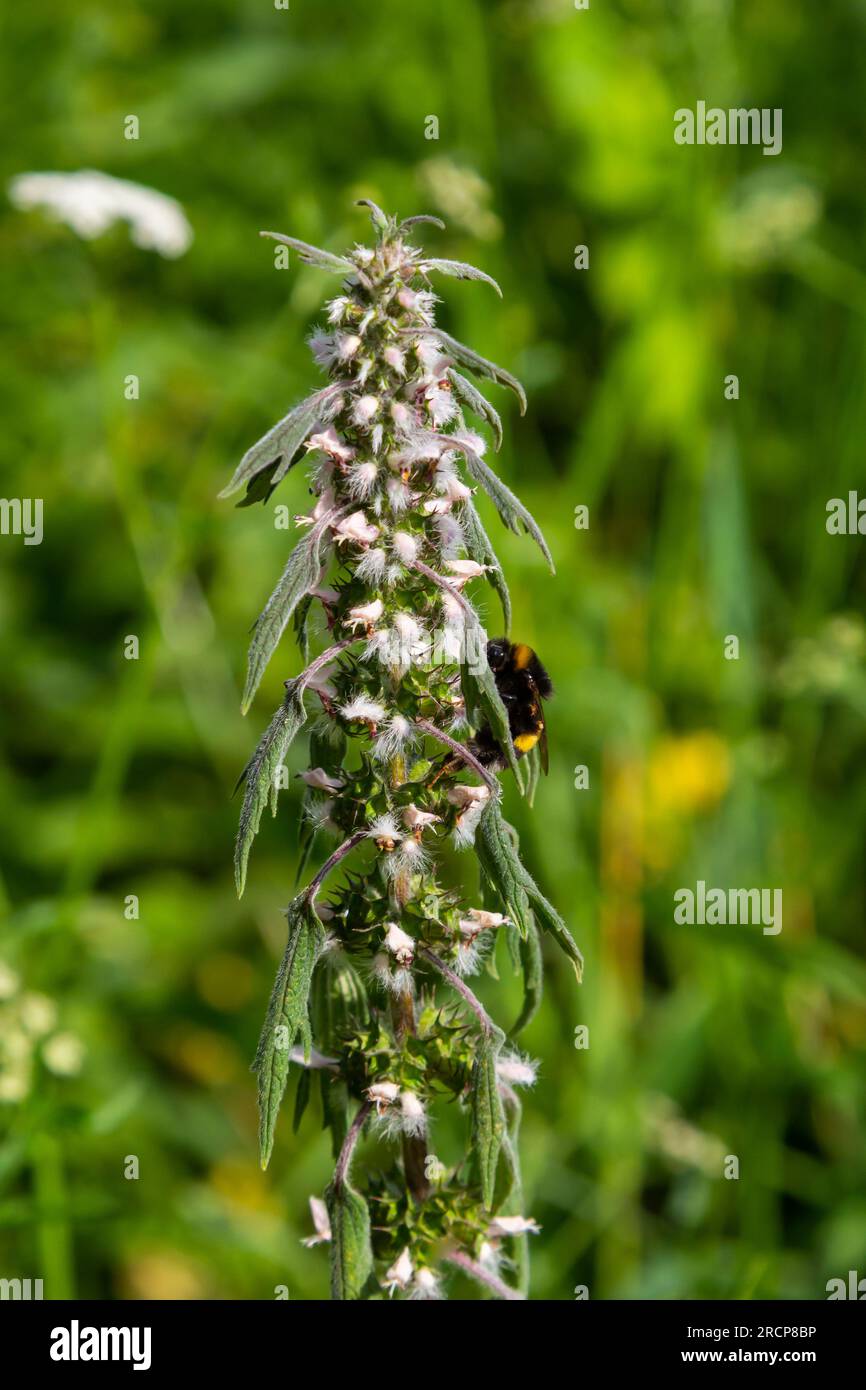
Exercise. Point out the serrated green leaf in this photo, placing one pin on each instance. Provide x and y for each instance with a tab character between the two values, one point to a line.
259	777
458	270
301	574
477	403
502	866
479	365
533	980
286	1016
510	508
351	1250
488	1117
313	255
480	549
279	448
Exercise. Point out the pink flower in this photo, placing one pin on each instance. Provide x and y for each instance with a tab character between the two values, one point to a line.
356	528
318	778
364	614
331	444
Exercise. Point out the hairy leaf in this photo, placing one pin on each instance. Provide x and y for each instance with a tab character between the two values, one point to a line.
478	404
510	508
286	1016
381	222
259	777
313	255
488	1118
351	1251
458	270
271	458
533	980
418	219
300	575
480	549
501	864
479	365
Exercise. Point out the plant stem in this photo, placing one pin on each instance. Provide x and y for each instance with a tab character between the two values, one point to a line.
454	980
483	1276
342	1169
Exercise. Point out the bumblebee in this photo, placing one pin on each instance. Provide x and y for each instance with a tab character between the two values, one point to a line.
523	684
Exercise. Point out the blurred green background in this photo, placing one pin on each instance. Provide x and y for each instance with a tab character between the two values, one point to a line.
133	1037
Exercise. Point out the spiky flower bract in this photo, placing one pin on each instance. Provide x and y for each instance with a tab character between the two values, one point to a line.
375	973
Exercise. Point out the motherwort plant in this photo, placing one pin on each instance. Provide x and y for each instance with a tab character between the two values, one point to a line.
371	998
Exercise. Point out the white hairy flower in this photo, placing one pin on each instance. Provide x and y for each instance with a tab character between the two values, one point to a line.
400	1273
394	737
406	546
402	416
347	345
337	308
477	920
321	1224
413	1115
371	566
382	1094
464	570
331	444
364	410
513	1226
396	360
400	944
323	346
416	820
90	202
441	405
425	1286
316	1061
361	479
385	829
321	780
364	614
515	1070
356	528
364	709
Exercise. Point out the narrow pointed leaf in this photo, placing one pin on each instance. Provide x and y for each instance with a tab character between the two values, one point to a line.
286	1016
511	510
351	1251
479	365
458	270
480	549
313	255
300	575
279	448
420	218
477	403
260	777
488	1118
380	222
533	980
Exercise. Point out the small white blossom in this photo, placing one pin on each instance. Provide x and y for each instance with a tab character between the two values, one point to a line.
371	566
513	1226
414	1118
361	479
337	308
356	528
90	202
331	444
347	345
477	920
425	1286
400	944
394	736
516	1070
364	614
418	820
321	1224
316	1061
402	416
382	1094
396	360
321	780
400	1273
364	709
464	570
364	410
406	546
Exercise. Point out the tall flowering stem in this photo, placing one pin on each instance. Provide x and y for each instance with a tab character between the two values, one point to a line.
371	998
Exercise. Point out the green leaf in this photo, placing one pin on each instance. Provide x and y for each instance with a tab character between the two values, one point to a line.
480	549
458	270
418	219
268	461
302	1097
488	1117
479	365
496	847
286	1016
510	508
313	255
259	776
351	1251
380	221
478	404
533	980
299	576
